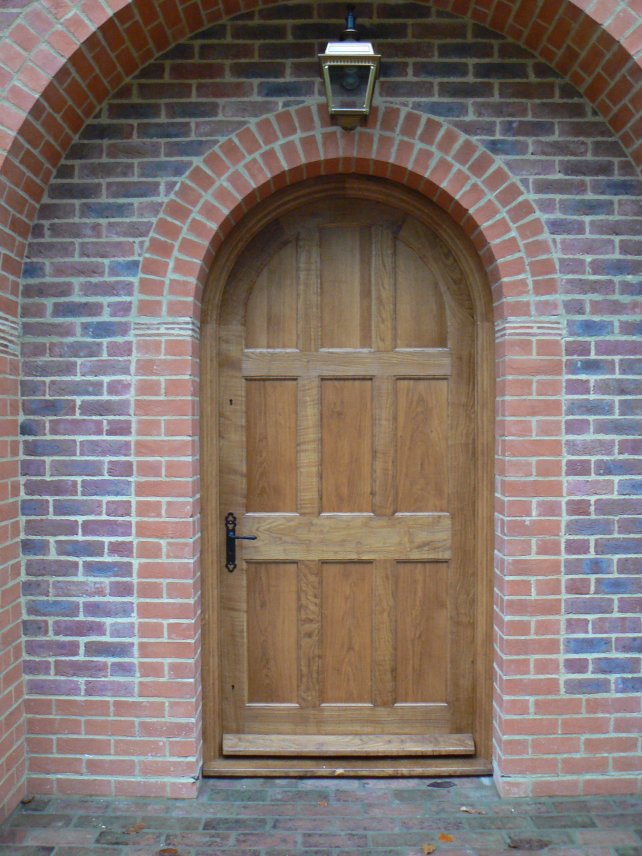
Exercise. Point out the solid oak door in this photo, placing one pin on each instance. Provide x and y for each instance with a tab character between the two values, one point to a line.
347	447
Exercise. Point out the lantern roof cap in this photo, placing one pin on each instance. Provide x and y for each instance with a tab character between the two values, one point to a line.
350	48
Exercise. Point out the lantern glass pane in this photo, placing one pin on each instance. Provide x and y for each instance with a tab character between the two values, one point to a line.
349	86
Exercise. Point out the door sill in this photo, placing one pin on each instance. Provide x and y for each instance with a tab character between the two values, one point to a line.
347	745
346	767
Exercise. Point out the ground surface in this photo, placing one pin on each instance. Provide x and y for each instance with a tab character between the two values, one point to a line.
321	817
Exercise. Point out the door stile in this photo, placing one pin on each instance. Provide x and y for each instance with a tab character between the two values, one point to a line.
233	475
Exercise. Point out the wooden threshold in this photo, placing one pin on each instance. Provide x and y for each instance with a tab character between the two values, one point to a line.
350	745
346	767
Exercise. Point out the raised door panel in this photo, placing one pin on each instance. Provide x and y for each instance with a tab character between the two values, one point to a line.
420	313
346	293
346	445
422	654
271	320
346	633
422	445
272	645
271	425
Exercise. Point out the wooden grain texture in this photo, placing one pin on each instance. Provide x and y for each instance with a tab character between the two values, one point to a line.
308	282
309	446
435	766
356	718
271	318
384	636
272	644
423	464
464	474
353	537
420	313
346	446
346	633
230	594
422	654
271	422
309	634
366	296
346	303
433	363
385	459
384	285
350	745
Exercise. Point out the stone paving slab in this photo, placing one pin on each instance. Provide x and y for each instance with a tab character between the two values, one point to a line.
327	817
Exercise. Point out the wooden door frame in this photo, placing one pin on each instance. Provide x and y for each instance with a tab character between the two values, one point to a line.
261	216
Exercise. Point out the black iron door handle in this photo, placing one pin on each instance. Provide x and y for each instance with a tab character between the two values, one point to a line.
230	541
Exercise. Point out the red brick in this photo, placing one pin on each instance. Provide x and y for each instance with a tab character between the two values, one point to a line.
611	785
536	33
556	787
531	766
84	785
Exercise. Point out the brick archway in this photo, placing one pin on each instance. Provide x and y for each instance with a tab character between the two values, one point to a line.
445	166
61	64
422	153
61	61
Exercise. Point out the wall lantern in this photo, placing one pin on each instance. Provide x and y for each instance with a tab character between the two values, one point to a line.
349	69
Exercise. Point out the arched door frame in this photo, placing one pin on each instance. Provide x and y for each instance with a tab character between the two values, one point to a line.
293	198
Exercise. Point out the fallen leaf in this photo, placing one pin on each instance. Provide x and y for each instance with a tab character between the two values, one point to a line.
528	843
468	810
168	851
323	803
26	800
136	827
443	836
426	849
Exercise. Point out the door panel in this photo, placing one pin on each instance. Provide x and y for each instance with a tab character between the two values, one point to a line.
346	293
272	603
420	313
272	310
346	378
422	632
422	445
346	632
271	425
346	445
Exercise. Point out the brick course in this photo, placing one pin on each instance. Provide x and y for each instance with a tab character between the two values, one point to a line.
556	163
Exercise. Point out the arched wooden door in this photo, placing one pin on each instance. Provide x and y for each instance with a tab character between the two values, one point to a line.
353	446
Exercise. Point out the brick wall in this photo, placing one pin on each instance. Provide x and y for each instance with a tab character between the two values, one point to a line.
601	583
12	724
87	578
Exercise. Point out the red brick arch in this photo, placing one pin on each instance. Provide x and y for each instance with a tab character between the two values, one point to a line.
62	60
417	151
